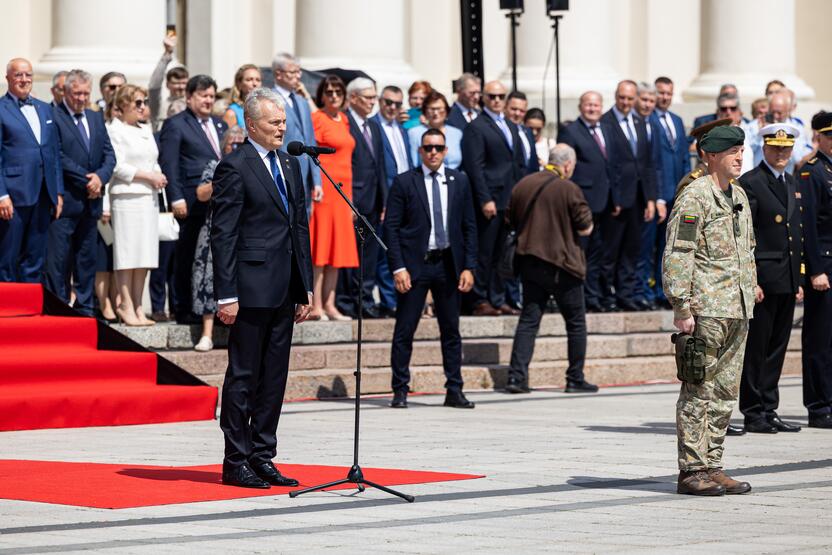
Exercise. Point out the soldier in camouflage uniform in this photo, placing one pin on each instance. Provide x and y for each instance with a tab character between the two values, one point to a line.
710	278
700	169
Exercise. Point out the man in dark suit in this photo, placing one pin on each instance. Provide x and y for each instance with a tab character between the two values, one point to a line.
31	184
369	194
589	136
57	88
776	205
263	284
516	107
396	146
493	159
431	234
816	335
468	89
188	141
633	188
88	159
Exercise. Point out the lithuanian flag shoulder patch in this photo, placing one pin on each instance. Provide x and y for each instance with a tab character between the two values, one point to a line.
688	219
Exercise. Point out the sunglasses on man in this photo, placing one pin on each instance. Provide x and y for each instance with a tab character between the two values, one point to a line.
496	96
388	103
433	148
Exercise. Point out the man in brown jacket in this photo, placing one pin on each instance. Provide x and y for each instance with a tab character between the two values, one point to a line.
550	213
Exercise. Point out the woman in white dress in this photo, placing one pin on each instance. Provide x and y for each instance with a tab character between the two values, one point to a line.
134	200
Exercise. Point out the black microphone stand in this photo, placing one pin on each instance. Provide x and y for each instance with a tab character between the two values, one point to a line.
355	474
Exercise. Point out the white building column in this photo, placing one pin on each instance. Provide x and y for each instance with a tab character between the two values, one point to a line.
371	35
100	36
748	43
587	54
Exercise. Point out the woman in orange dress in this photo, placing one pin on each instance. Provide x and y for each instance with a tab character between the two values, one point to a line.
331	225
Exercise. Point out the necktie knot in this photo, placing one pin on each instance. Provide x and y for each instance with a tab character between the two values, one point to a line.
78	116
24	101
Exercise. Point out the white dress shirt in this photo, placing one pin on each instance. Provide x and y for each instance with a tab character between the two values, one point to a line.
443	197
626	122
468	113
596	131
75	120
31	115
667	123
394	136
527	148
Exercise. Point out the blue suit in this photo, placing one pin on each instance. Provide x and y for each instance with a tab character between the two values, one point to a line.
73	238
30	174
408	229
299	128
384	279
183	154
457	118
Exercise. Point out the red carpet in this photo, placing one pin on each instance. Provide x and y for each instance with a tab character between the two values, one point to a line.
52	374
118	486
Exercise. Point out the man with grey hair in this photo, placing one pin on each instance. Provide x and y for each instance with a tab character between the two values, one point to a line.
369	194
548	211
88	160
288	85
780	106
57	89
263	285
468	89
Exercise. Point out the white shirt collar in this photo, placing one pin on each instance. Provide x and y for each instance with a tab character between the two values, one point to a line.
591	125
71	113
283	92
776	173
261	150
464	109
358	119
495	116
440	171
620	116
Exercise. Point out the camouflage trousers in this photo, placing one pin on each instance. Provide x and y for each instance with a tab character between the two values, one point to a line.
703	410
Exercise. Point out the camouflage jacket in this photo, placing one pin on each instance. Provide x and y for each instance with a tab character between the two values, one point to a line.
709	267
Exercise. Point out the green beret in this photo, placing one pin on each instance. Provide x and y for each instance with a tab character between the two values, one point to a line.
722	138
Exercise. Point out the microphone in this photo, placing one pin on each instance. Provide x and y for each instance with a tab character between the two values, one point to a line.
737	208
297	148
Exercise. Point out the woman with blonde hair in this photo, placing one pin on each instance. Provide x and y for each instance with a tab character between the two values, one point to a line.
246	80
134	203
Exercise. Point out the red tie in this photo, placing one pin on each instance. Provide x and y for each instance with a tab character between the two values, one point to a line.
593	130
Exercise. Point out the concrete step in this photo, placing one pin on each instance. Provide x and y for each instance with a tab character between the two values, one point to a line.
333	383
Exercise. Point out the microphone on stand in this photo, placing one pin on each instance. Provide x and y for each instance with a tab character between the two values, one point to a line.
297	148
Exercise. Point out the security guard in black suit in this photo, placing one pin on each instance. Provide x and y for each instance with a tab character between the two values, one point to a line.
776	206
816	183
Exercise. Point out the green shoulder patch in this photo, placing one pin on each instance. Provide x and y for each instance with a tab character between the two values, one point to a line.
687	227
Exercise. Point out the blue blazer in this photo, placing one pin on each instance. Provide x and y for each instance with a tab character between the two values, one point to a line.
77	161
184	153
491	164
673	162
301	130
591	168
24	163
391	169
369	180
631	177
407	223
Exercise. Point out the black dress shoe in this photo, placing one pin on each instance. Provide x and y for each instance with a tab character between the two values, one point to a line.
781	426
243	477
760	426
610	307
824	421
734	430
268	473
631	306
594	307
399	400
517	387
580	387
371	313
386	311
457	400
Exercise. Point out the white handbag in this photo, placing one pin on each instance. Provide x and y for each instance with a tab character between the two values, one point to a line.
168	226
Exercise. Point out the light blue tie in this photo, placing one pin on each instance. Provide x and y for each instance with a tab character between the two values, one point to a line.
501	123
633	144
278	180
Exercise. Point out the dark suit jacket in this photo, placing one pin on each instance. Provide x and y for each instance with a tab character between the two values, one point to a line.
492	166
261	253
77	161
369	181
391	170
24	163
531	163
591	169
184	152
778	271
407	225
816	184
632	178
673	161
456	118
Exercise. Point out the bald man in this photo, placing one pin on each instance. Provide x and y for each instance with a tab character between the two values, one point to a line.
780	107
31	184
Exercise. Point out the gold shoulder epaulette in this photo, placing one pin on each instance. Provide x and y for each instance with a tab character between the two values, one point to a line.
813	160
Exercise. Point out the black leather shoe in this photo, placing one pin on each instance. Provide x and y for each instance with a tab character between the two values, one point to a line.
243	477
631	306
517	387
372	313
594	307
580	387
735	430
781	426
610	307
386	311
824	421
457	400
268	473
760	426
399	400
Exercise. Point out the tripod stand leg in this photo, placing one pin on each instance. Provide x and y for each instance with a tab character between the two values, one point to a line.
406	497
318	488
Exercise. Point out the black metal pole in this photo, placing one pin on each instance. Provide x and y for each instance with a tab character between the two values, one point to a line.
556	20
512	16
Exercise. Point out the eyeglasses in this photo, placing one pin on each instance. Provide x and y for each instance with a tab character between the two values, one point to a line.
333	92
368	97
433	148
140	103
728	108
293	72
388	102
496	96
111	87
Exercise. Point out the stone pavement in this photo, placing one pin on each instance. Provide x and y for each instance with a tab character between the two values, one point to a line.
582	473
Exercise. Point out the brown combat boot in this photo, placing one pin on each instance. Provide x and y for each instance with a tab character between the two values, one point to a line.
731	486
698	482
